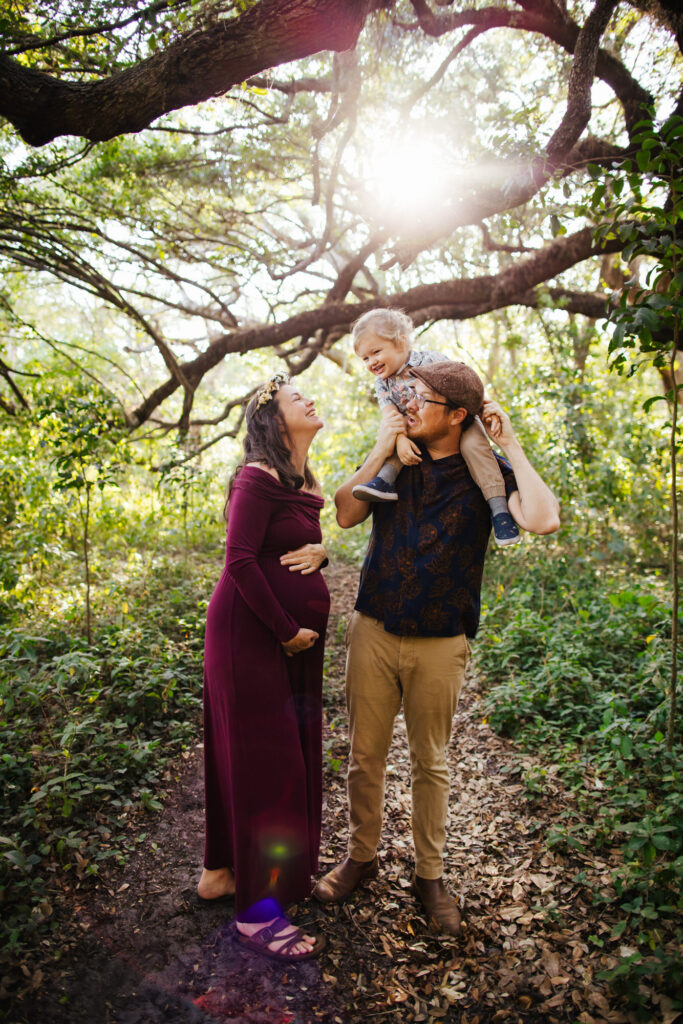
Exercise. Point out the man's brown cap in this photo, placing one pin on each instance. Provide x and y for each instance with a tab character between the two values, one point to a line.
457	382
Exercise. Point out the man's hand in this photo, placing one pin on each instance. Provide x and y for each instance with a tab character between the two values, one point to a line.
407	451
306	559
304	639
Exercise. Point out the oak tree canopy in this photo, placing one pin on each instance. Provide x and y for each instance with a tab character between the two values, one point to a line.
233	176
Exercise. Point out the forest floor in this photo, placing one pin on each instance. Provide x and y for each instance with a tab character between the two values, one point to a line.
136	947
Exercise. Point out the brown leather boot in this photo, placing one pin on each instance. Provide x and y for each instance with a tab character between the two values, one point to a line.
338	884
442	910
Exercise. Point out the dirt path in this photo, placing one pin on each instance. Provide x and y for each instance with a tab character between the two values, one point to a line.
138	949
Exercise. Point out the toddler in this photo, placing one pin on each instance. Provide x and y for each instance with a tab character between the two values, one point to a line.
382	338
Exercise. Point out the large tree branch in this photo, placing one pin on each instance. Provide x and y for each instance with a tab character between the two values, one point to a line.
31	244
346	275
578	112
545	19
512	187
461	299
594	305
295	86
204	63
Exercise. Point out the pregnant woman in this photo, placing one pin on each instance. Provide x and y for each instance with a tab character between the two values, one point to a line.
263	664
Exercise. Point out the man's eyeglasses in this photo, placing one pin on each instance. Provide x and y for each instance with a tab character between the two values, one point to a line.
422	401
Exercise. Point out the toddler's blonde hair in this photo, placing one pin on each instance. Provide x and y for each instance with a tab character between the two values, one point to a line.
392	324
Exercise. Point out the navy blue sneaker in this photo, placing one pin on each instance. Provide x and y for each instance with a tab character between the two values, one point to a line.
505	529
376	489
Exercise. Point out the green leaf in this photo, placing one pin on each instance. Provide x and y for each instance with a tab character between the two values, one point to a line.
647	405
642	159
17	858
647	318
598	193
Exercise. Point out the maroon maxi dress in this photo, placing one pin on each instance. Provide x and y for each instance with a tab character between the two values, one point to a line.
262	709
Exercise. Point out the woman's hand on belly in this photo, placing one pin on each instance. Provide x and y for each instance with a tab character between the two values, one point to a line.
306	559
304	639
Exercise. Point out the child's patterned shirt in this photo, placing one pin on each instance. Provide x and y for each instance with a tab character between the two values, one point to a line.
397	389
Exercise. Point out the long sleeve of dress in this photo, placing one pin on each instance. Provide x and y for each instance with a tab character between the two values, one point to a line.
249	515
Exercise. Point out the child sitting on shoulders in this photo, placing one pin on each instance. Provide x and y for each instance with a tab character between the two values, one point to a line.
383	339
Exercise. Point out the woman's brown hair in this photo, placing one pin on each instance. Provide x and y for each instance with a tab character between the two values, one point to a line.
266	440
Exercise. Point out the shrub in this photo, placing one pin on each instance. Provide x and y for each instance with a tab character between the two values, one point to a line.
575	663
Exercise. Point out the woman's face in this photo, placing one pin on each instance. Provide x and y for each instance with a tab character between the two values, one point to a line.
298	412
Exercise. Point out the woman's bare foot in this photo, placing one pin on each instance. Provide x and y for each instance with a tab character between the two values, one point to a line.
304	946
215	884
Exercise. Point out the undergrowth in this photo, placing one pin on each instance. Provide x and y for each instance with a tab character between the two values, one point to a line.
85	734
574	661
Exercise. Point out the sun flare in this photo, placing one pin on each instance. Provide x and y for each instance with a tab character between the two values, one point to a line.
406	181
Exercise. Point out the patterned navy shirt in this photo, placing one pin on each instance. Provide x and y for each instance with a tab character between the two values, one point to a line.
423	569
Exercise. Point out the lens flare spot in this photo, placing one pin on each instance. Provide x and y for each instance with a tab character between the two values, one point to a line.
278	851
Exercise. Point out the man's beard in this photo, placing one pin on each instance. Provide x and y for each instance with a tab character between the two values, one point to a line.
416	432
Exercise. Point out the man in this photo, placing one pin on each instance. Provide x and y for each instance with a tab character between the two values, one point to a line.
418	603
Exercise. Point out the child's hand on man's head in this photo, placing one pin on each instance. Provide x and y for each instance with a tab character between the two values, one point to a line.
497	423
494	425
490	417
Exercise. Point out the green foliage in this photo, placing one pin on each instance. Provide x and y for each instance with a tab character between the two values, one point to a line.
648	318
85	735
575	662
642	201
84	433
587	433
562	637
183	485
80	36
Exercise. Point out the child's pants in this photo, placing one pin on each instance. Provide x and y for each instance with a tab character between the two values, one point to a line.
481	462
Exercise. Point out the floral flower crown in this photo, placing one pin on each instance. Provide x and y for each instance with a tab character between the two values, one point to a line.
268	390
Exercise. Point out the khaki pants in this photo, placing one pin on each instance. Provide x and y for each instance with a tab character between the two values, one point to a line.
481	462
425	673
